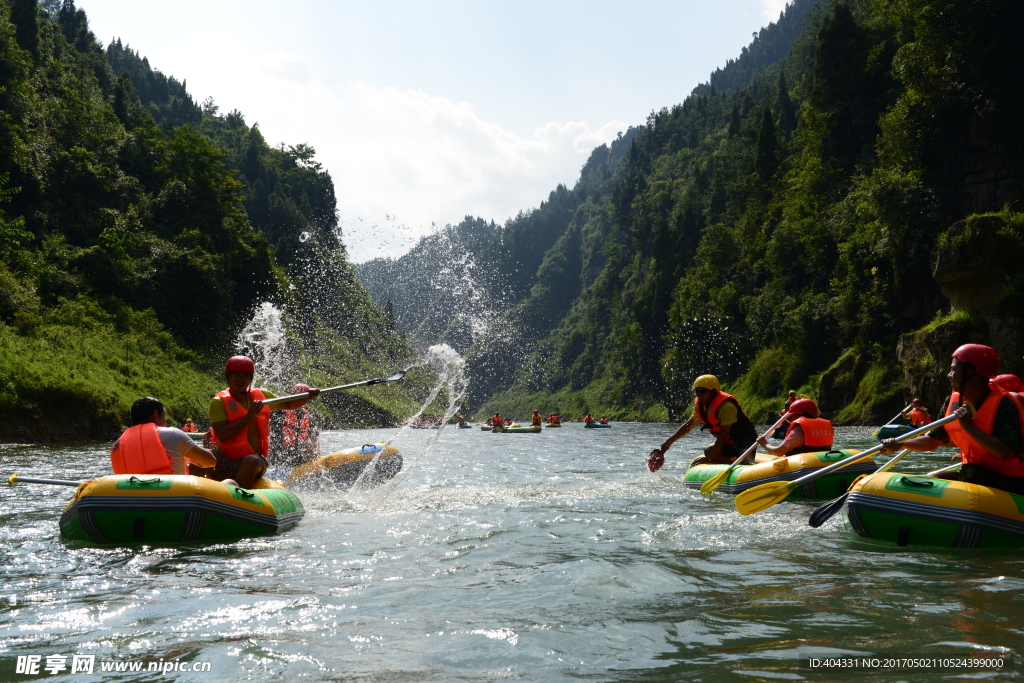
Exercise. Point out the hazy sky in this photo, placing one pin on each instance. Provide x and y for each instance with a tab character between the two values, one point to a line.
430	111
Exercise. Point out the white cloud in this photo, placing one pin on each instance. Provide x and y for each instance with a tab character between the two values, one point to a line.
405	160
771	9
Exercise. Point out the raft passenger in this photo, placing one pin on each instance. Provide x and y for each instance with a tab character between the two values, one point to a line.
588	418
240	424
537	419
807	433
918	414
189	427
989	439
723	416
149	446
294	436
497	422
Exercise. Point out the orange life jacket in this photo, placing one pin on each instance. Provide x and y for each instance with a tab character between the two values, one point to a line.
818	434
974	453
588	419
498	421
238	446
140	451
743	428
918	417
189	428
537	419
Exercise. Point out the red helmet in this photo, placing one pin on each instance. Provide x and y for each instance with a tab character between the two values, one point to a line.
917	402
1009	382
240	364
984	358
300	388
803	406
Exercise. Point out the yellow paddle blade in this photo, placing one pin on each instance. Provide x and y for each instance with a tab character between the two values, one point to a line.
763	496
714	482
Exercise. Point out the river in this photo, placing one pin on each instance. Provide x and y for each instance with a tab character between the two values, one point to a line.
536	557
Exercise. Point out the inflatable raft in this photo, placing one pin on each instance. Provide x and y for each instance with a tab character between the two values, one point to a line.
343	468
533	429
788	468
595	425
132	508
549	425
891	431
911	510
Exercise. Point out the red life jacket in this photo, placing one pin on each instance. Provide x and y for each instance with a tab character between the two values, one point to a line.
189	428
918	417
295	429
238	446
140	451
818	434
537	419
588	419
974	453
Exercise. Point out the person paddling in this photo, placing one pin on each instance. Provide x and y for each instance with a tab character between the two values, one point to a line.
588	419
918	414
149	446
537	419
807	433
294	436
989	436
497	422
723	416
241	424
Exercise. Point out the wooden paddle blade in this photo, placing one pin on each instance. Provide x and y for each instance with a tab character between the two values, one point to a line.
714	482
763	496
655	460
826	511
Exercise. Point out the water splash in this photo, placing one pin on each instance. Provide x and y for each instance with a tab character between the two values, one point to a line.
264	339
450	367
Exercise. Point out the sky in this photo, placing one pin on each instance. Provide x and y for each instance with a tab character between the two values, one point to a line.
426	112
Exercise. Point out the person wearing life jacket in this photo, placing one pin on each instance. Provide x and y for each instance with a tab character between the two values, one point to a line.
149	446
987	430
918	414
189	427
588	418
553	419
294	436
537	419
790	400
603	420
807	433
719	413
497	422
240	424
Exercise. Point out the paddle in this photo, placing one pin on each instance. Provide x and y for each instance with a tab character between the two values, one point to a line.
380	380
944	469
714	482
764	496
825	512
899	414
29	480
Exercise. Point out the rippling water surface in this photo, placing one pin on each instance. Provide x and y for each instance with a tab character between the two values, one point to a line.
547	557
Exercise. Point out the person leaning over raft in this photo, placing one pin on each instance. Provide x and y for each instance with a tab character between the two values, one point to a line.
807	432
149	446
723	416
990	441
241	424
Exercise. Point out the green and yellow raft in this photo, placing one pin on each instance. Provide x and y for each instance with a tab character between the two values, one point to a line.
374	463
132	508
911	510
787	468
533	429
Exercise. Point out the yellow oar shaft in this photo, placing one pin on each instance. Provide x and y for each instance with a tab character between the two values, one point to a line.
714	482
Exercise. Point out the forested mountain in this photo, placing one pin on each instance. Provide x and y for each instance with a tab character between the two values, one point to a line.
139	233
780	231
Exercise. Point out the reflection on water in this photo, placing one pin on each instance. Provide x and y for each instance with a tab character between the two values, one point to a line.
553	556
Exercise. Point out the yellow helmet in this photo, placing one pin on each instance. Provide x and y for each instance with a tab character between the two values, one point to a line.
792	394
707	382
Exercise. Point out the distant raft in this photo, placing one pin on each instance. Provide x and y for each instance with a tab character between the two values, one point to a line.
549	425
595	425
918	511
534	429
342	468
160	509
787	468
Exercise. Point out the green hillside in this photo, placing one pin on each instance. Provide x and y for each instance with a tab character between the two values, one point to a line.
139	232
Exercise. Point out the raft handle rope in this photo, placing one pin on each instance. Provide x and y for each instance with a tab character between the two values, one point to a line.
917	481
144	482
243	492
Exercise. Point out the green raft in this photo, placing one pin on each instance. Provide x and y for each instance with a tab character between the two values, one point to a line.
535	429
788	468
124	509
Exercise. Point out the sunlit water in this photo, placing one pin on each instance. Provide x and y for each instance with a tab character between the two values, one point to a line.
550	557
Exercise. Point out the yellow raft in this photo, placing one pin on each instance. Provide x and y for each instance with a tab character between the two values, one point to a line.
912	510
343	468
788	468
166	508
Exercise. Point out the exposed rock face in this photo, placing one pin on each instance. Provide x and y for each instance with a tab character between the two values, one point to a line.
838	385
972	270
